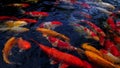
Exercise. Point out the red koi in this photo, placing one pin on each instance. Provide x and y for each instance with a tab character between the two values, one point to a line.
110	46
62	56
111	23
28	20
37	14
60	44
7	17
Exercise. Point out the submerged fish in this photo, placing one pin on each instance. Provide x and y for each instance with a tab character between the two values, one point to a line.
60	44
81	29
62	57
47	32
7	49
23	44
50	25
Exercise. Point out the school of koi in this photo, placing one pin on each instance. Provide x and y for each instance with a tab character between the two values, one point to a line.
68	34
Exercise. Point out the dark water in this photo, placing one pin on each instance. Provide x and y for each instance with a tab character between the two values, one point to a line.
35	58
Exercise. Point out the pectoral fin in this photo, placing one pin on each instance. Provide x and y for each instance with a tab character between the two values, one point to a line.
63	65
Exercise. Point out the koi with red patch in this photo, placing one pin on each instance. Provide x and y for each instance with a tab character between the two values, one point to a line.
37	14
90	34
60	44
96	28
50	25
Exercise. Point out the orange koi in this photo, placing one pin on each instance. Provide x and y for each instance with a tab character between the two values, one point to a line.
88	47
23	44
62	57
60	44
99	60
7	48
47	32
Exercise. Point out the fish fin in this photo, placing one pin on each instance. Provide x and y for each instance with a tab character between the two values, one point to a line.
53	62
4	29
63	65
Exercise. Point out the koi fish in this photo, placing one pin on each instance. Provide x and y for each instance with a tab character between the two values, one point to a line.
28	20
7	48
7	18
110	46
90	34
20	5
96	28
37	14
60	44
23	44
50	25
99	60
86	15
102	5
31	1
87	65
62	57
104	10
110	57
19	29
47	32
88	47
15	23
111	23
